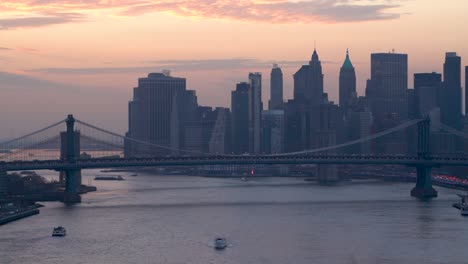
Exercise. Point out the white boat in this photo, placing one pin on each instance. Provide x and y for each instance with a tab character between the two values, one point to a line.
220	243
59	231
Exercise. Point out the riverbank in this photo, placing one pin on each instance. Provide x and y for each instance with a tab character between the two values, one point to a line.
19	214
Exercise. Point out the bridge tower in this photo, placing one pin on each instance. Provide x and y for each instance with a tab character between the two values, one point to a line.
71	148
423	188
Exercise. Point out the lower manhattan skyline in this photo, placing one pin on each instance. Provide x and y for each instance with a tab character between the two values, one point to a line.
81	56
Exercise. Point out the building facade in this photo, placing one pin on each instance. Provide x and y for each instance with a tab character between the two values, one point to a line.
273	131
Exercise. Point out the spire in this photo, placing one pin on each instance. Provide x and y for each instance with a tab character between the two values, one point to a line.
315	56
347	63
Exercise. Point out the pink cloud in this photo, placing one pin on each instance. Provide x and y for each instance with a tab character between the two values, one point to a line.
270	11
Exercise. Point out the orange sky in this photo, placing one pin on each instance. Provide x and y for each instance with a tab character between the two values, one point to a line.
84	57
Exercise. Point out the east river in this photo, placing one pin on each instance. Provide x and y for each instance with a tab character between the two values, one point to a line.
174	219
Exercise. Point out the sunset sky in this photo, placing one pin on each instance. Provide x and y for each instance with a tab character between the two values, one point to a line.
84	57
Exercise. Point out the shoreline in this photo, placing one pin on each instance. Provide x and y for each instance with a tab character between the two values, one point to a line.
20	215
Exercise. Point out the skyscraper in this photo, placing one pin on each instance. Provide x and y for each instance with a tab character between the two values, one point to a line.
347	83
387	96
154	113
426	87
240	118
276	88
450	95
308	81
387	87
255	112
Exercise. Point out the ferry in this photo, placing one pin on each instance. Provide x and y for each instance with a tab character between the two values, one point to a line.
109	178
220	243
59	231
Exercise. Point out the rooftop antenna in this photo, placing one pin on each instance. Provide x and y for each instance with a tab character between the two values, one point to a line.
315	44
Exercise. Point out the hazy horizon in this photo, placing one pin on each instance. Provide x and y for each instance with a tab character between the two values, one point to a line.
61	57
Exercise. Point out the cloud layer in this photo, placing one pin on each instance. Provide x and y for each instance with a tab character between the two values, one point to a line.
270	11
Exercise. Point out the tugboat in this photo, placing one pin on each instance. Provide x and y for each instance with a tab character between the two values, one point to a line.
220	243
59	231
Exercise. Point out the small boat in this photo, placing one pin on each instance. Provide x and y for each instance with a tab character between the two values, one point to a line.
464	209
134	175
59	231
243	179
220	243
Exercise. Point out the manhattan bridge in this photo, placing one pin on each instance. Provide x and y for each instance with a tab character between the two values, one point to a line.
72	145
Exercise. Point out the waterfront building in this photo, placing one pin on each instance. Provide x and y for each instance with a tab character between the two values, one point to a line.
347	83
273	131
255	112
276	88
450	95
240	118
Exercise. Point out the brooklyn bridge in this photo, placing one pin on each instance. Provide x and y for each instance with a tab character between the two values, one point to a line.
85	146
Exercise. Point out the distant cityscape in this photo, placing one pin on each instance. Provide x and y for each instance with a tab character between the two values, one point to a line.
164	112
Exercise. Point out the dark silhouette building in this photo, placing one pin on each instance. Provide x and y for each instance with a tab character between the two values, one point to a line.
273	131
255	112
308	81
160	107
386	93
347	83
426	87
451	95
276	88
240	118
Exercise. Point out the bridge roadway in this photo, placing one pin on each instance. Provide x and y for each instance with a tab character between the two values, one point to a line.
61	165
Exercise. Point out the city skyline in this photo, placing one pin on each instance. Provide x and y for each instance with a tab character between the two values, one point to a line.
37	58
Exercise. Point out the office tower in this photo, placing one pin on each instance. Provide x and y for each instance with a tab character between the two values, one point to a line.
450	95
276	88
347	83
308	81
219	135
296	134
387	96
426	87
255	112
387	87
155	114
466	90
240	118
273	131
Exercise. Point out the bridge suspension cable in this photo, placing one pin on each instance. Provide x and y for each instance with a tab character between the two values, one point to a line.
357	141
144	143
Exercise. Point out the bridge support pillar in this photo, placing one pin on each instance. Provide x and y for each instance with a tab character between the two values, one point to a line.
70	152
71	194
423	188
